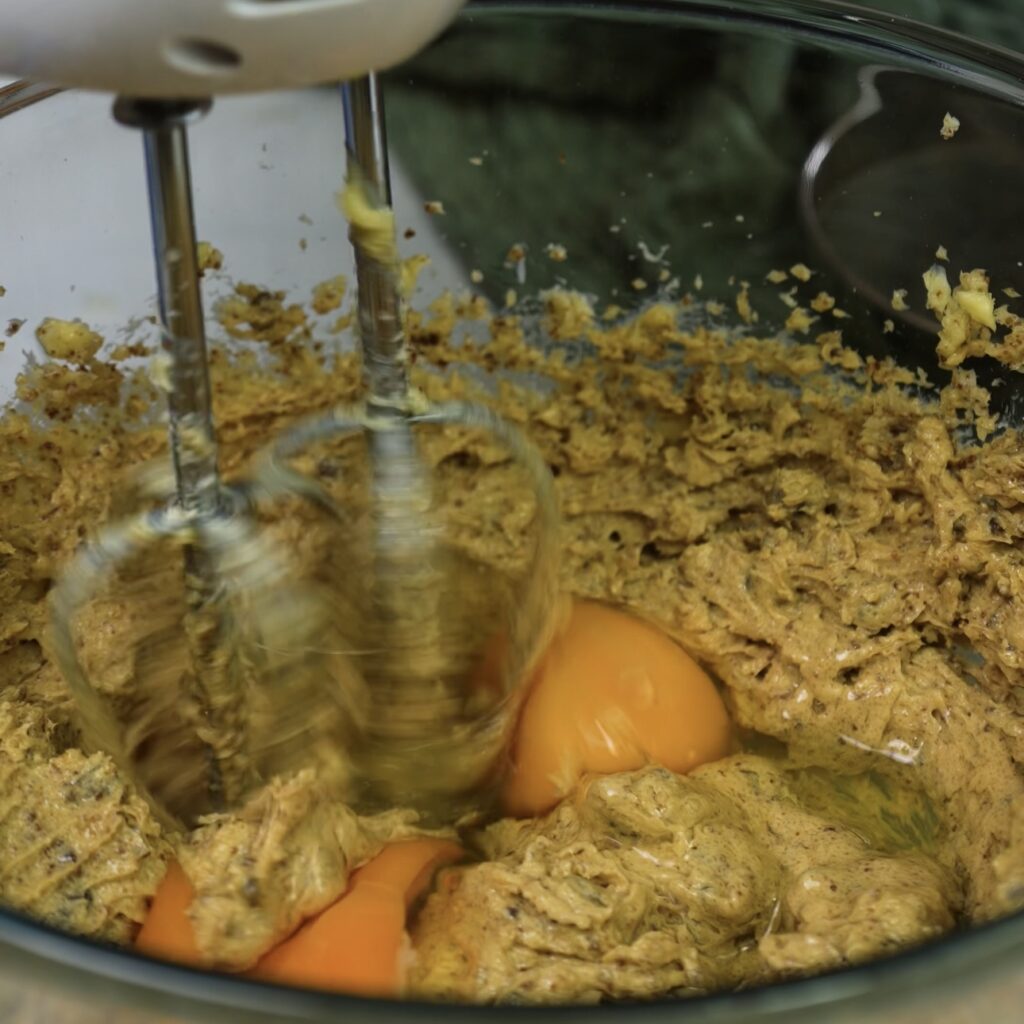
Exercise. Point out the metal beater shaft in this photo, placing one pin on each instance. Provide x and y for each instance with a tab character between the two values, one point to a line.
169	180
380	305
405	539
190	422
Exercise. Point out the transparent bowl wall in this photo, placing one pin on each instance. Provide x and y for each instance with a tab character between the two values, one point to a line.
744	135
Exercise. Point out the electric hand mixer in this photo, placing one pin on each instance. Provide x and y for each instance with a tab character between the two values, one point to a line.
415	728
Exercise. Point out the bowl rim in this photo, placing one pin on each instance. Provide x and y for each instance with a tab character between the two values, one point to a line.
989	67
34	948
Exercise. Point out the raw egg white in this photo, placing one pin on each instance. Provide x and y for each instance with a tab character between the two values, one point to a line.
613	693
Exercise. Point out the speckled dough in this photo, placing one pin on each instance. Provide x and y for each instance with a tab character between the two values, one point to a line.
650	883
839	543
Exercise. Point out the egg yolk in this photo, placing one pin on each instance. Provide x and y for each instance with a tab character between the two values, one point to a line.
359	944
612	693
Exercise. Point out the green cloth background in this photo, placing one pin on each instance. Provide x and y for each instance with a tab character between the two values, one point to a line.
584	122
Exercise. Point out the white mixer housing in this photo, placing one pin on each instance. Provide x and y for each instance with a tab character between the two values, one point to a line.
183	49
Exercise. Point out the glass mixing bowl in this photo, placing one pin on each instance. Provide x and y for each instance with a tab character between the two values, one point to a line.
742	134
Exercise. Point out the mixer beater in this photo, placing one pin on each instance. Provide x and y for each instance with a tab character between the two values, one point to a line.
430	734
380	680
235	581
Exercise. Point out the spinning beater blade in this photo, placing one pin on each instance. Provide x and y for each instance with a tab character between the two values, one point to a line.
394	709
416	608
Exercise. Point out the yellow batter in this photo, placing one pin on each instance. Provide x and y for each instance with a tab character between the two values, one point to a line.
825	541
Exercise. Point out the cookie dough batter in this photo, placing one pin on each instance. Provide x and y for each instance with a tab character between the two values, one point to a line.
652	883
835	539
